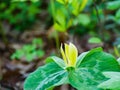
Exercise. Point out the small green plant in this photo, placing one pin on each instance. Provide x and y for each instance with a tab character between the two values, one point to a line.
83	72
67	13
31	51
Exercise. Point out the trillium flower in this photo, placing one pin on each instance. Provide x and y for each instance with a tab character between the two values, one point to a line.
69	54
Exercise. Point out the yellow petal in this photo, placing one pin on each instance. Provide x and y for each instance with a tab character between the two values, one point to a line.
73	53
67	52
63	55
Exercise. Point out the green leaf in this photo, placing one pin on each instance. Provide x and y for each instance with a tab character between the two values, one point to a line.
81	57
88	73
57	60
45	77
113	83
94	40
85	54
113	5
60	20
81	79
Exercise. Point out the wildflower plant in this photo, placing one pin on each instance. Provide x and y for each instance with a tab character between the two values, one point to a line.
83	72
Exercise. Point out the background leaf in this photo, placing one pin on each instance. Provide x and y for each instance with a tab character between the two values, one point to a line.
113	5
95	40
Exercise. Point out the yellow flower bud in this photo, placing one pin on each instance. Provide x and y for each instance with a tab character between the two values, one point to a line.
69	55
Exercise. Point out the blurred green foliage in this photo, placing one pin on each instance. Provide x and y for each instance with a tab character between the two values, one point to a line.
115	5
30	51
95	40
68	13
19	14
78	16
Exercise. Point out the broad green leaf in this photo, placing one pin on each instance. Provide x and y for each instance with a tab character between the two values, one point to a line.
57	60
85	54
94	40
80	58
112	5
88	73
83	79
113	83
45	77
100	60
